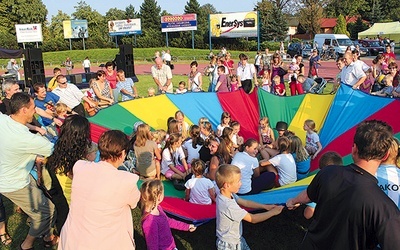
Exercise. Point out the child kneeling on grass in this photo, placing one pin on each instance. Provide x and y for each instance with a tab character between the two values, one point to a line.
230	214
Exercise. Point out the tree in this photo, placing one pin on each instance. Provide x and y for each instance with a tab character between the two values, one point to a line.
264	8
357	27
274	25
376	13
54	38
311	15
21	12
341	26
115	14
150	15
130	12
335	8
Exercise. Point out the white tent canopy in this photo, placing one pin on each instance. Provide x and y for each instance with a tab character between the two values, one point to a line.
390	30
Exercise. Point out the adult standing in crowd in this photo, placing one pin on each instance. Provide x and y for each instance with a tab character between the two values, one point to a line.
71	96
277	66
246	73
266	60
162	76
314	64
347	217
86	65
195	79
102	197
19	150
167	58
72	145
111	76
69	65
352	74
13	68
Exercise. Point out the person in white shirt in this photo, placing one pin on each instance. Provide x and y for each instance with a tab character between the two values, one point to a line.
86	65
352	74
167	57
246	73
71	96
19	151
199	189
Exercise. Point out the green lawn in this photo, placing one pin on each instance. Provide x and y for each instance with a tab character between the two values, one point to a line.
284	231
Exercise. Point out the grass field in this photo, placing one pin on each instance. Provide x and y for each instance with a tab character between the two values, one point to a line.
284	231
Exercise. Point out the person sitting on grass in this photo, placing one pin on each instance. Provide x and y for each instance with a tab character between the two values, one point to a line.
173	163
199	190
283	164
230	214
253	182
327	159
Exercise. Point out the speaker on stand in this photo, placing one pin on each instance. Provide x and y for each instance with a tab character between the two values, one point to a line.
34	67
125	61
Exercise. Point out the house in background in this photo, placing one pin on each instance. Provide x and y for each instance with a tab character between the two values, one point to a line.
327	24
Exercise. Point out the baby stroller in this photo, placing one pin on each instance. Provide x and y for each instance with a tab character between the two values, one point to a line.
319	85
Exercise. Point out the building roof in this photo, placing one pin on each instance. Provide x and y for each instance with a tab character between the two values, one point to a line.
328	22
331	22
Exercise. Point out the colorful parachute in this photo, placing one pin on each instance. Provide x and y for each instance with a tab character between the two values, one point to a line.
336	116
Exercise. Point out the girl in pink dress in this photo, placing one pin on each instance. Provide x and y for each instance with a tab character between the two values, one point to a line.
155	223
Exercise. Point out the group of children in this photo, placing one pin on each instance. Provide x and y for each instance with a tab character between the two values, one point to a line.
180	161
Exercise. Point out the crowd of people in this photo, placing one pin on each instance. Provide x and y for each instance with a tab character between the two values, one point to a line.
77	195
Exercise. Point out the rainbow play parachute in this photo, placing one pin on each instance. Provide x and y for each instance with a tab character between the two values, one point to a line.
336	117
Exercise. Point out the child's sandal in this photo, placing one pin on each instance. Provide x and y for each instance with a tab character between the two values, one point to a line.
5	239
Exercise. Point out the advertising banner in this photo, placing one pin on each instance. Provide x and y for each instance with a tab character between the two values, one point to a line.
29	33
75	29
179	23
124	27
239	24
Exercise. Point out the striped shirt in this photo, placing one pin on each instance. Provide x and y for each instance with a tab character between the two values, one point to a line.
389	181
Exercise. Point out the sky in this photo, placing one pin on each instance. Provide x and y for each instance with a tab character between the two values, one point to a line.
171	6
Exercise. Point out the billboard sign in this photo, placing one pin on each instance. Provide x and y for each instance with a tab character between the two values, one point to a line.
75	29
124	27
179	23
239	24
29	33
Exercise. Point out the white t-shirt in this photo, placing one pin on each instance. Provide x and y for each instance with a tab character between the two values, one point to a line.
86	63
286	167
247	164
167	57
311	140
229	219
192	153
220	129
199	190
168	159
